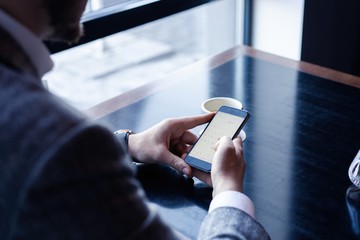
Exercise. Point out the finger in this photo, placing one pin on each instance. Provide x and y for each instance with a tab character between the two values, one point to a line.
188	148
225	146
227	142
203	176
238	140
180	148
224	141
191	122
238	143
176	162
189	138
216	145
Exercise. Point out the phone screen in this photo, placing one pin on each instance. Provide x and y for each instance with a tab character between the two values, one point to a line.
223	124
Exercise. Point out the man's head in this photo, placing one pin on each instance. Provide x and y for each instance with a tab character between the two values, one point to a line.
64	17
57	20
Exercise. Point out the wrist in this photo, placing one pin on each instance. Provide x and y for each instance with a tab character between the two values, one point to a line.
227	186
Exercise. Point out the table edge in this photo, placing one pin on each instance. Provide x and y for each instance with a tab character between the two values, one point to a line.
129	97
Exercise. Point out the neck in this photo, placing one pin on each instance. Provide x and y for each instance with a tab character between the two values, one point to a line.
12	55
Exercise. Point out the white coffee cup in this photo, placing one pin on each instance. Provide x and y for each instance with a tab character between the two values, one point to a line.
213	104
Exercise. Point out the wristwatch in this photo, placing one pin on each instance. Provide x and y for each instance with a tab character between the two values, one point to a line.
123	134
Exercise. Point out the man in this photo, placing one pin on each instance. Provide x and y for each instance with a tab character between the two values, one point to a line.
63	176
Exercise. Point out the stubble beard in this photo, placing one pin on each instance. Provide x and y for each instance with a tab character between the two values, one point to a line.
64	21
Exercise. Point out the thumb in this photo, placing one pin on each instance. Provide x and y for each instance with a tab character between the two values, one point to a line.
222	148
223	142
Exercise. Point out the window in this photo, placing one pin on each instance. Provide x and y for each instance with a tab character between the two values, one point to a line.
98	70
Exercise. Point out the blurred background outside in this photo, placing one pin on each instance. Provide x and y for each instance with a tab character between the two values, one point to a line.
94	72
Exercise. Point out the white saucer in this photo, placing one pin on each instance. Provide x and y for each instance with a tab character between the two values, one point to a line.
242	135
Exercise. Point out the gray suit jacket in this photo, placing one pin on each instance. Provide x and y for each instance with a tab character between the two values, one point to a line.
65	177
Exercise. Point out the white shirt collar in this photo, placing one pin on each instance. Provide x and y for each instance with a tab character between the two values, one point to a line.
34	48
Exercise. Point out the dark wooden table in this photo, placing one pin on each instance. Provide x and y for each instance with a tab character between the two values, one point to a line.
301	138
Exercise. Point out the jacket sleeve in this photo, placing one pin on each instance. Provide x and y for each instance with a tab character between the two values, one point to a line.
231	223
85	188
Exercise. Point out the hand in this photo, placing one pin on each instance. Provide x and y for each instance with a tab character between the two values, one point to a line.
228	168
167	142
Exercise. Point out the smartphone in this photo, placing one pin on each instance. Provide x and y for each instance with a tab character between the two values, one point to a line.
227	121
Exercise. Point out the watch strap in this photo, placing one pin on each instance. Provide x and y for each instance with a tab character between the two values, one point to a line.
123	134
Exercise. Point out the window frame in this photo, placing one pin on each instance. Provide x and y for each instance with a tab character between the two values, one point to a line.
117	18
